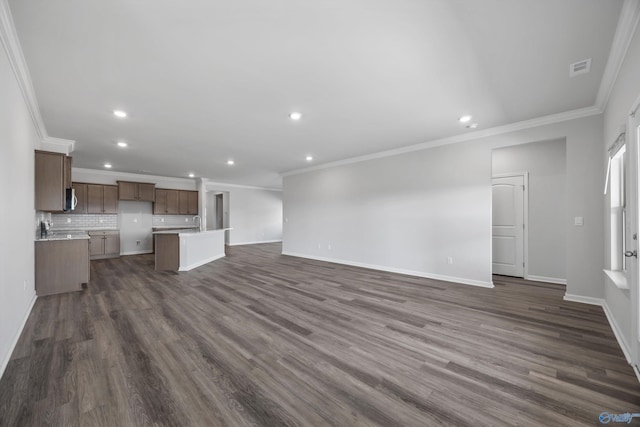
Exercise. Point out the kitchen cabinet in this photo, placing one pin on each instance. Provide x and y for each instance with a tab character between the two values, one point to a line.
52	178
81	196
138	191
102	198
172	202
104	244
167	202
61	266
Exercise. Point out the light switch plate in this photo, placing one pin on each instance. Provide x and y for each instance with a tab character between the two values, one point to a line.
578	221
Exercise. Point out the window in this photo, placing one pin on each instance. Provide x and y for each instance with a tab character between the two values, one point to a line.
617	199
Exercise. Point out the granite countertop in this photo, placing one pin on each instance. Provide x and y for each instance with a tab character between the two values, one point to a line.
62	235
173	227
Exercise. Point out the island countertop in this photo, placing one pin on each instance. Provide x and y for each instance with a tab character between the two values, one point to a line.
189	231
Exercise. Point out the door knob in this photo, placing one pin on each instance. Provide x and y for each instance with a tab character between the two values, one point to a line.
630	254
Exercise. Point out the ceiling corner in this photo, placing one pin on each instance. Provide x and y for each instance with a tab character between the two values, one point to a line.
627	24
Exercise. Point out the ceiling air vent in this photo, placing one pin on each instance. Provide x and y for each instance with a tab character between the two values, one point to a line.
580	67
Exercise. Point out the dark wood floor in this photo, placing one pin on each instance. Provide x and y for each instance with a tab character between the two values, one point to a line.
258	338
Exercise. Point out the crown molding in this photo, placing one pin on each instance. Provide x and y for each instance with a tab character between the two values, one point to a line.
57	145
208	183
627	24
498	130
11	44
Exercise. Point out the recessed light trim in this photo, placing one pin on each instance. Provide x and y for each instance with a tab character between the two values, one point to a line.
308	158
192	175
465	119
108	165
295	115
120	113
122	144
230	162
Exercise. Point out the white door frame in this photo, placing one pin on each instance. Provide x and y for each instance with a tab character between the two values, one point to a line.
525	177
633	142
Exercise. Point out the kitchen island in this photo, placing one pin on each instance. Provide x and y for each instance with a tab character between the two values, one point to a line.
184	250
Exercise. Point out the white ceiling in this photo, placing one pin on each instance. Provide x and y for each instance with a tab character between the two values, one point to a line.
208	80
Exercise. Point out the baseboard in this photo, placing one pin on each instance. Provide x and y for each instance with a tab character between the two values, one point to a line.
255	243
148	251
396	270
617	332
547	279
5	362
583	300
203	262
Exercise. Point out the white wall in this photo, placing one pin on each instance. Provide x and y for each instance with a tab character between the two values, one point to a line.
254	214
411	211
545	161
625	92
94	176
135	220
19	138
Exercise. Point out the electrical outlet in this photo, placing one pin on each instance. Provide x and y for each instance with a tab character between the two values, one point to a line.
329	246
186	220
138	242
135	219
318	245
161	219
68	220
449	260
101	220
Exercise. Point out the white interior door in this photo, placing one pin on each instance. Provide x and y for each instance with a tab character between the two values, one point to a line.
508	225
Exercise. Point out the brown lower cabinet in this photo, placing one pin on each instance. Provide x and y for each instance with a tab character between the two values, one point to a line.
61	266
104	244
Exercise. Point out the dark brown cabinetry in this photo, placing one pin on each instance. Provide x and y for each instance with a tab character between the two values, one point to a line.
61	266
104	244
172	202
137	191
52	178
167	202
102	198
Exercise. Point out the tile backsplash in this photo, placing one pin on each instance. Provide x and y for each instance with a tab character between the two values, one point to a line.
173	220
83	221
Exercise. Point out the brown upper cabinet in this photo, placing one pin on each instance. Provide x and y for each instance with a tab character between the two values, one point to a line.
52	178
172	202
102	198
136	191
81	196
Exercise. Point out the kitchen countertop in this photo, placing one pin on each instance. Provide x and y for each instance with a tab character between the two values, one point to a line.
189	231
172	227
62	235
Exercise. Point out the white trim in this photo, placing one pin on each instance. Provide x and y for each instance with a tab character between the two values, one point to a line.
627	23
148	251
498	130
637	372
617	332
583	300
248	187
255	243
618	278
7	358
458	280
58	145
547	280
11	43
202	262
133	176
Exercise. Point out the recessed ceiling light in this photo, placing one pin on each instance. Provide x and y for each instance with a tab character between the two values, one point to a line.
295	116
192	175
122	144
464	119
107	165
230	162
472	126
120	113
308	158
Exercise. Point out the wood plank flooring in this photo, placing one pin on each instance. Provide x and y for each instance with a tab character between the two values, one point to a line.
258	338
